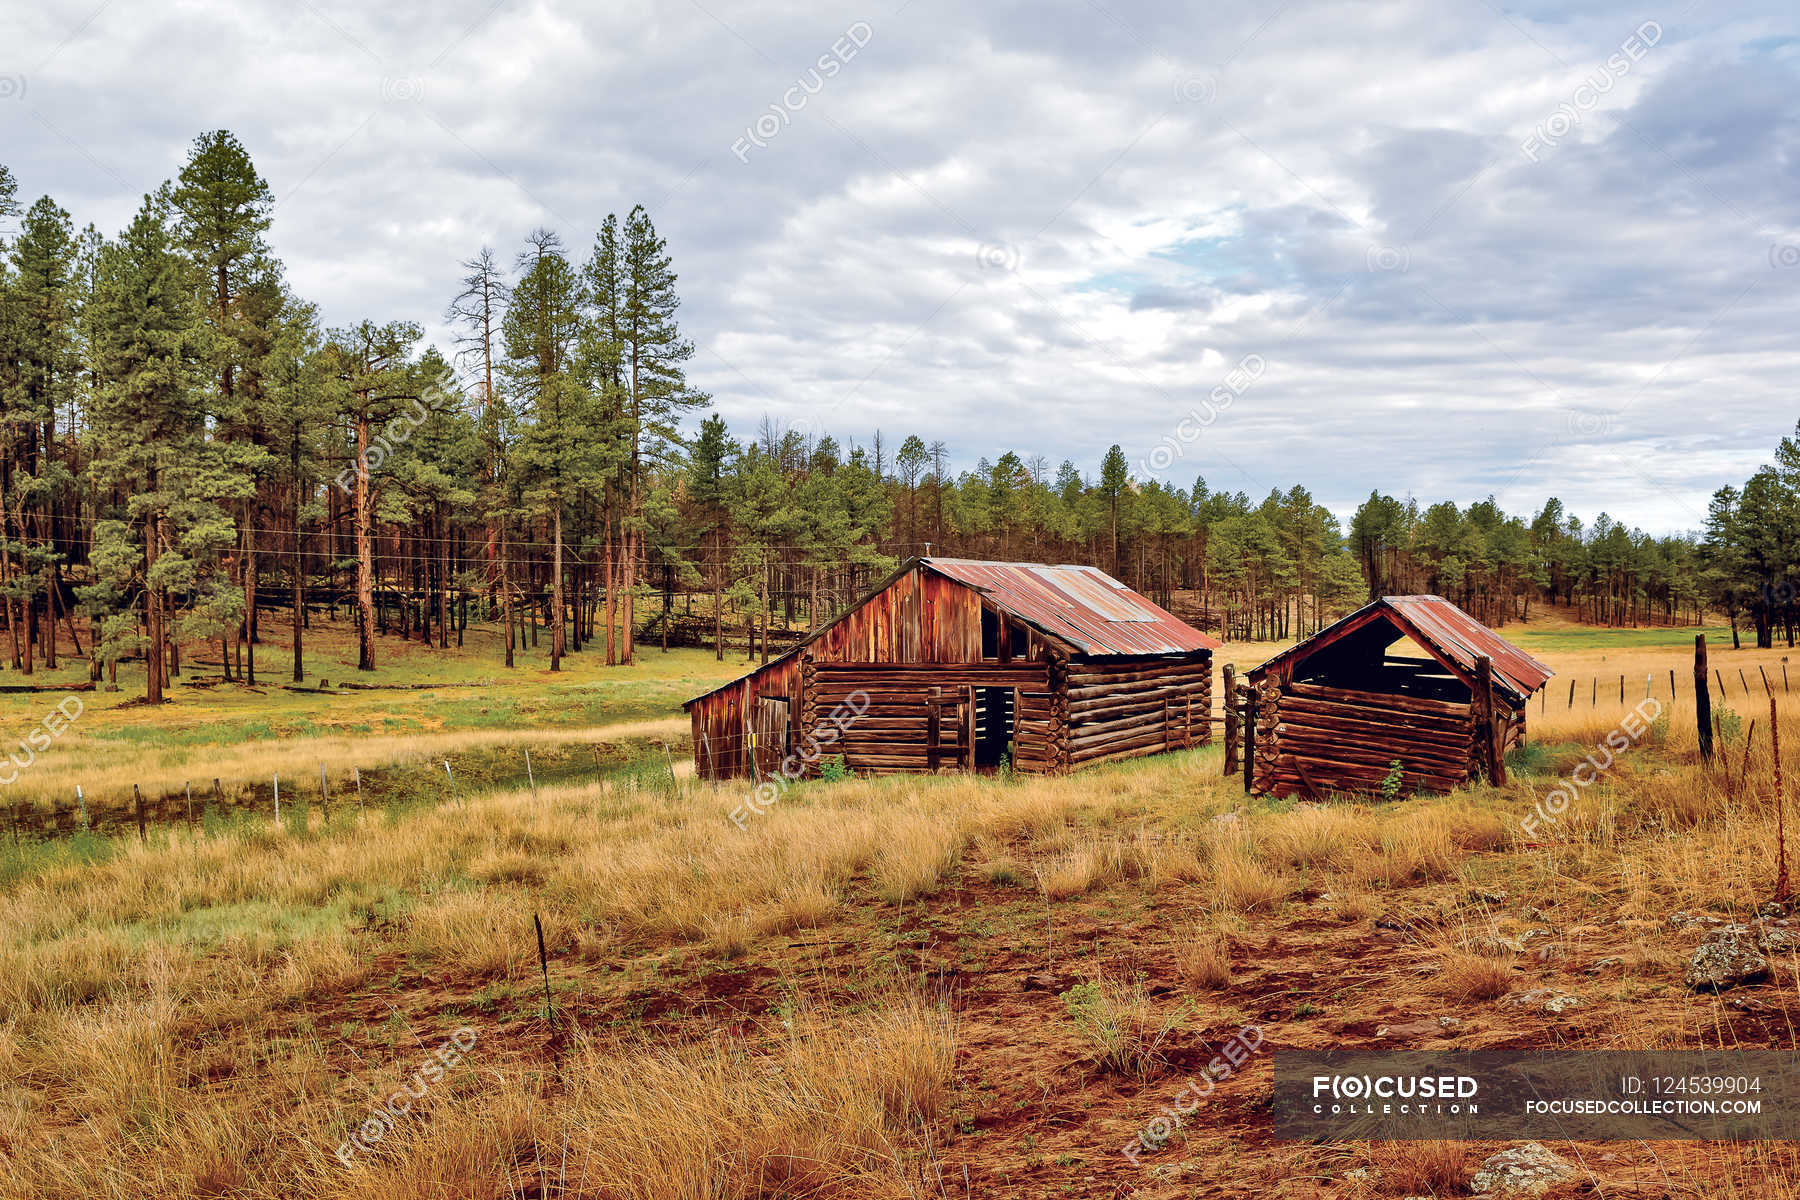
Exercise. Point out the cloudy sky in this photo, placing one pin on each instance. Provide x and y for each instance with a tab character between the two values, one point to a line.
1446	247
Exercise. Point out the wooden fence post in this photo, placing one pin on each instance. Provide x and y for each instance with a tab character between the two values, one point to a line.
1781	871
1493	758
1702	699
277	799
934	716
189	785
137	803
1249	737
1231	726
324	795
532	778
82	801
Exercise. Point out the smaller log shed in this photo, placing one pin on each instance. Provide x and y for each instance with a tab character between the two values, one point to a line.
1334	712
962	664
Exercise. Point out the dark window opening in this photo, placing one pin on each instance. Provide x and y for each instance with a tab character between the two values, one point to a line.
990	633
1019	637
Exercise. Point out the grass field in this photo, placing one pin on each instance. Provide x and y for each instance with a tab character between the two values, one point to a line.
943	987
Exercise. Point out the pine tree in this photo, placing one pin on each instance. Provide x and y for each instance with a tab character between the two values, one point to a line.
223	209
554	456
375	384
476	313
45	306
653	354
149	422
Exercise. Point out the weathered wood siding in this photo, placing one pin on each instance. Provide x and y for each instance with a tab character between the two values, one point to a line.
914	650
1124	707
894	732
722	721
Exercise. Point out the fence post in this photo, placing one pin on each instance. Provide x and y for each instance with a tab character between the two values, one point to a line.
1781	871
324	795
82	801
278	799
356	774
1249	738
1490	744
137	802
1702	699
529	776
453	793
218	797
1231	729
188	784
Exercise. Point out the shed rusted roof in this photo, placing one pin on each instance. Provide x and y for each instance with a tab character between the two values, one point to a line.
1083	606
1441	626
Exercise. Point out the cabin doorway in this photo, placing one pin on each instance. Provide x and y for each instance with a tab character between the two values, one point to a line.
769	736
993	726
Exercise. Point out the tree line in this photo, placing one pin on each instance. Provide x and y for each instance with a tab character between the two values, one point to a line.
1750	553
187	452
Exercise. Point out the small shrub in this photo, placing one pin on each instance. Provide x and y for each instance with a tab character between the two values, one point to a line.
833	769
1393	781
1119	1022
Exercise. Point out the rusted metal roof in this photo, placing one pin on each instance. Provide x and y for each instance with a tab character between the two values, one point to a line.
1441	626
1083	606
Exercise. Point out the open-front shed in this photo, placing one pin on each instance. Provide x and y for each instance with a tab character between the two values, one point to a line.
961	664
1337	711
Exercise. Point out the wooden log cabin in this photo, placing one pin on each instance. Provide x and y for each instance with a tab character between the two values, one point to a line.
957	664
1336	711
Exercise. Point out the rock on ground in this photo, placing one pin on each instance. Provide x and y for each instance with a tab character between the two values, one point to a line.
1528	1170
1731	955
1543	1000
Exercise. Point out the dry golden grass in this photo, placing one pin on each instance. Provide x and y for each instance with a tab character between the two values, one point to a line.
1204	961
110	968
1424	1168
1468	976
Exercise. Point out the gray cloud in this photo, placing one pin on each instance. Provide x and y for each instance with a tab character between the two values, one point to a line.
1048	228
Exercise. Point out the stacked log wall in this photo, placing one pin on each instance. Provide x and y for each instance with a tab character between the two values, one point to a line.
892	734
1125	707
1313	738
